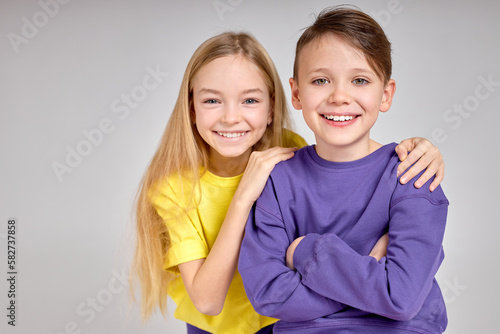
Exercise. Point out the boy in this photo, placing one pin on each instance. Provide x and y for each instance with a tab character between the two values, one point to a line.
304	258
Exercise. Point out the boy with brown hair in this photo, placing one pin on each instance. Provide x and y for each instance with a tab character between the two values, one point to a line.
305	256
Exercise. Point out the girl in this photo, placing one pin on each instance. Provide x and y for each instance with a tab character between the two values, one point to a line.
230	117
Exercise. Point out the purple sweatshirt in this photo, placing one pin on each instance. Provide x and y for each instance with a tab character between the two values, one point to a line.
342	209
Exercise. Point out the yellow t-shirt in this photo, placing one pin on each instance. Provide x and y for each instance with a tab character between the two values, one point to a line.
192	235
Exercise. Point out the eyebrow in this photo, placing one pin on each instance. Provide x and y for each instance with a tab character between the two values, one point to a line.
209	91
363	70
252	90
214	91
321	69
353	70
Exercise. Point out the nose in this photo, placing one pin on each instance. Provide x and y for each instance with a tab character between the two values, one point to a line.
231	114
339	94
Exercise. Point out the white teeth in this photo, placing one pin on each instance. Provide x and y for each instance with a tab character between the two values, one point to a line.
231	134
337	118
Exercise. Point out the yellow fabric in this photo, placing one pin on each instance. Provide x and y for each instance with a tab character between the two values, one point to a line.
193	223
291	139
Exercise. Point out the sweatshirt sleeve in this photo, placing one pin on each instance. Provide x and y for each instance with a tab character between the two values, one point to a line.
396	286
273	289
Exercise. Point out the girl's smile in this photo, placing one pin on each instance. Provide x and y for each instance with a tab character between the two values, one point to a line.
231	134
232	110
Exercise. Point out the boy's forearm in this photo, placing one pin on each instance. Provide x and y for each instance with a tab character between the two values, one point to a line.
395	288
273	288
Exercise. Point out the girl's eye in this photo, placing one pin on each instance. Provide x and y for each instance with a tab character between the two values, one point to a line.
251	101
321	81
360	81
210	101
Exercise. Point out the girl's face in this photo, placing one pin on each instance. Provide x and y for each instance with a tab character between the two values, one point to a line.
232	109
340	96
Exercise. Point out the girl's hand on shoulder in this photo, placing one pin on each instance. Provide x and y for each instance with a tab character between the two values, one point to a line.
423	155
257	171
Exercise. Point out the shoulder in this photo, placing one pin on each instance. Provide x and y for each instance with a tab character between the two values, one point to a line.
289	174
408	191
292	139
173	192
294	165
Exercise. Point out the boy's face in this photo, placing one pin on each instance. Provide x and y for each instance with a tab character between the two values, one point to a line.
340	96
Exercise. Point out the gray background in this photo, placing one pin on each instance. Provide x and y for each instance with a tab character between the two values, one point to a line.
68	67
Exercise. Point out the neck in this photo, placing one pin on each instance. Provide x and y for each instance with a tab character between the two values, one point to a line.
228	166
345	153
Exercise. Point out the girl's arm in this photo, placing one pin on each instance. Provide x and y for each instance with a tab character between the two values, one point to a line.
207	280
423	155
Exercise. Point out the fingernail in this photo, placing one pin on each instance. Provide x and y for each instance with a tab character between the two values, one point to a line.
404	179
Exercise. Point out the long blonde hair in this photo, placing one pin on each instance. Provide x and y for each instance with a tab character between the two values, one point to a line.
183	151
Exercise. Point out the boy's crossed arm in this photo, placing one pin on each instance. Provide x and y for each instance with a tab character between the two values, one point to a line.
330	274
273	289
378	251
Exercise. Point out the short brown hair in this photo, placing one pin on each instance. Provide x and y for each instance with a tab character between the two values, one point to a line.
356	28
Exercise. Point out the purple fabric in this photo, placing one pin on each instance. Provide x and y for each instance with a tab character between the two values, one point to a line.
342	209
195	330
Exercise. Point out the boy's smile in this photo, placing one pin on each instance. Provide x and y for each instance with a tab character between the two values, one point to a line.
340	96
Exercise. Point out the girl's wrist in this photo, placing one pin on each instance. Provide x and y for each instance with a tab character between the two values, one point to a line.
240	203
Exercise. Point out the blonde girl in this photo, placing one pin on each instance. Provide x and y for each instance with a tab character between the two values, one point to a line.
226	133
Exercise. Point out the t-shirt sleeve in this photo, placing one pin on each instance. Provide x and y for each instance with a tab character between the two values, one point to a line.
187	242
292	139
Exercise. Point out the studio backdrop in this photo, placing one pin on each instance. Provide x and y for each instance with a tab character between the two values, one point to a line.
86	89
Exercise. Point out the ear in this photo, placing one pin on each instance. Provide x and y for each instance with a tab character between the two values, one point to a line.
270	115
294	86
389	91
192	114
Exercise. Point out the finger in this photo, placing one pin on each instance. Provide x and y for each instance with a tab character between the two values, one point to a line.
409	145
417	147
417	161
272	152
426	176
269	164
404	147
424	162
438	179
431	169
257	156
272	156
265	161
402	154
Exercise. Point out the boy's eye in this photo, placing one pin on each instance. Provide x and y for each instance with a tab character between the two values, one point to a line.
360	81
321	81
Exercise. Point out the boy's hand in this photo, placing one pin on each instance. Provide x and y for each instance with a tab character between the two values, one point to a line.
380	249
423	155
290	251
